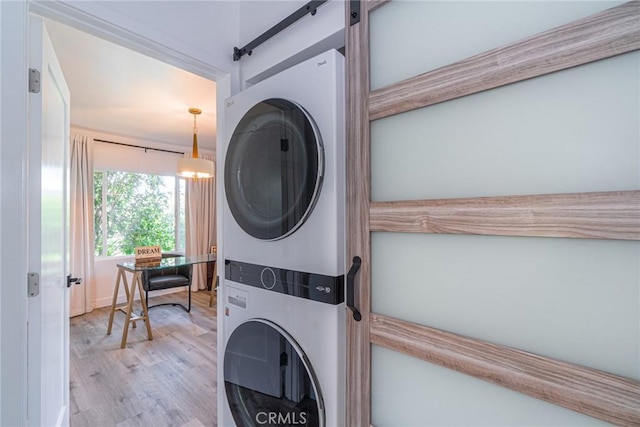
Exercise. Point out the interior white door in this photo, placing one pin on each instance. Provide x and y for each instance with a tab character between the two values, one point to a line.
48	312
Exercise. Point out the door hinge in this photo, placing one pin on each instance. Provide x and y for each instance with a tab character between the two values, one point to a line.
34	80
33	284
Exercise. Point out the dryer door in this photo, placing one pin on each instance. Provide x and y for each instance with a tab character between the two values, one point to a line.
273	169
268	379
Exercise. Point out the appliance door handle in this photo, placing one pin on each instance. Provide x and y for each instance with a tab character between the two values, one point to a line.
351	283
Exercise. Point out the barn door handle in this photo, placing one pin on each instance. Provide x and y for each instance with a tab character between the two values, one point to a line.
351	283
72	280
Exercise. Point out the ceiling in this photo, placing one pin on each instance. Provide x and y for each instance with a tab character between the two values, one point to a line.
121	92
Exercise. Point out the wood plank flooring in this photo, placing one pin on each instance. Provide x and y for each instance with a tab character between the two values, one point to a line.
169	381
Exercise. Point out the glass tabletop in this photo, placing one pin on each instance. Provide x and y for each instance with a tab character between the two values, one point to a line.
166	262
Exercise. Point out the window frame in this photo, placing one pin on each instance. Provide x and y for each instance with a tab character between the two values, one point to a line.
103	225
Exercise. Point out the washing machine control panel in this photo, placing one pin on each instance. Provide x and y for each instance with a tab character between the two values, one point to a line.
268	278
316	287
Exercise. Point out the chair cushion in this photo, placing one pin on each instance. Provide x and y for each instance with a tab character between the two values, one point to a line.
165	282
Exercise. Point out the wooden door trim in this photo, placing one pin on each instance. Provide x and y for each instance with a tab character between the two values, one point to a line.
609	397
372	5
601	215
358	197
612	32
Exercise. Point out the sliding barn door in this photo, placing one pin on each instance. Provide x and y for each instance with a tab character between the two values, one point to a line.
493	198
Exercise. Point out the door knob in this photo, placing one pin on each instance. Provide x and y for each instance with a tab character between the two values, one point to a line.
71	280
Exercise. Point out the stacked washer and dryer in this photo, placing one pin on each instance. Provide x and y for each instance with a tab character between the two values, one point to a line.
283	319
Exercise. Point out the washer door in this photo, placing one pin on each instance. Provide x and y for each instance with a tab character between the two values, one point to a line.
273	169
268	379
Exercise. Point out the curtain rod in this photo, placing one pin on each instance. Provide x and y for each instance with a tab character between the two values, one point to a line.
140	146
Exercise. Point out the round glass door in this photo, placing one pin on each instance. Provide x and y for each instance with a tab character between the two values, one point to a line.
273	169
268	379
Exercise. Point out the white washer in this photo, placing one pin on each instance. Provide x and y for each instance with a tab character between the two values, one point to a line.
284	356
284	169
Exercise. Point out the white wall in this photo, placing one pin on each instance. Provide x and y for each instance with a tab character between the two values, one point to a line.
112	154
13	213
304	39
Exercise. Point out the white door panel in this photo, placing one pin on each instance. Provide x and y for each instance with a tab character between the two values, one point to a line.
48	345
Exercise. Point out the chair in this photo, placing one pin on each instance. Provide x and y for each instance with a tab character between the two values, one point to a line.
166	278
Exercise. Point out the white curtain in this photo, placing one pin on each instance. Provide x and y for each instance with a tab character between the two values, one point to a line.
200	223
83	296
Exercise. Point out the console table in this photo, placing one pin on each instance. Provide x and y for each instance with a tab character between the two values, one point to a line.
136	270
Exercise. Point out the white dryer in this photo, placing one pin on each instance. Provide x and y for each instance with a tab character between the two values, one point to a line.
284	169
283	363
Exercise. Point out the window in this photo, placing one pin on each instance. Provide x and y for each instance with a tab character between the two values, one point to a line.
134	209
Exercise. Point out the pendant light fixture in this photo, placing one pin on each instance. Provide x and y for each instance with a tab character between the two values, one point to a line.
194	167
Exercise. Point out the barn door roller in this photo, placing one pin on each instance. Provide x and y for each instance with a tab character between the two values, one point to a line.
354	12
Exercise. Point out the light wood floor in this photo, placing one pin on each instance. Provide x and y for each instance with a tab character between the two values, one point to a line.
169	381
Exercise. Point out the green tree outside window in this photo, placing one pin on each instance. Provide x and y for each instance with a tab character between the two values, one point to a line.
133	209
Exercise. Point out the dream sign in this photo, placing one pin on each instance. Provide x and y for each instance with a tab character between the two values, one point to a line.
148	252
